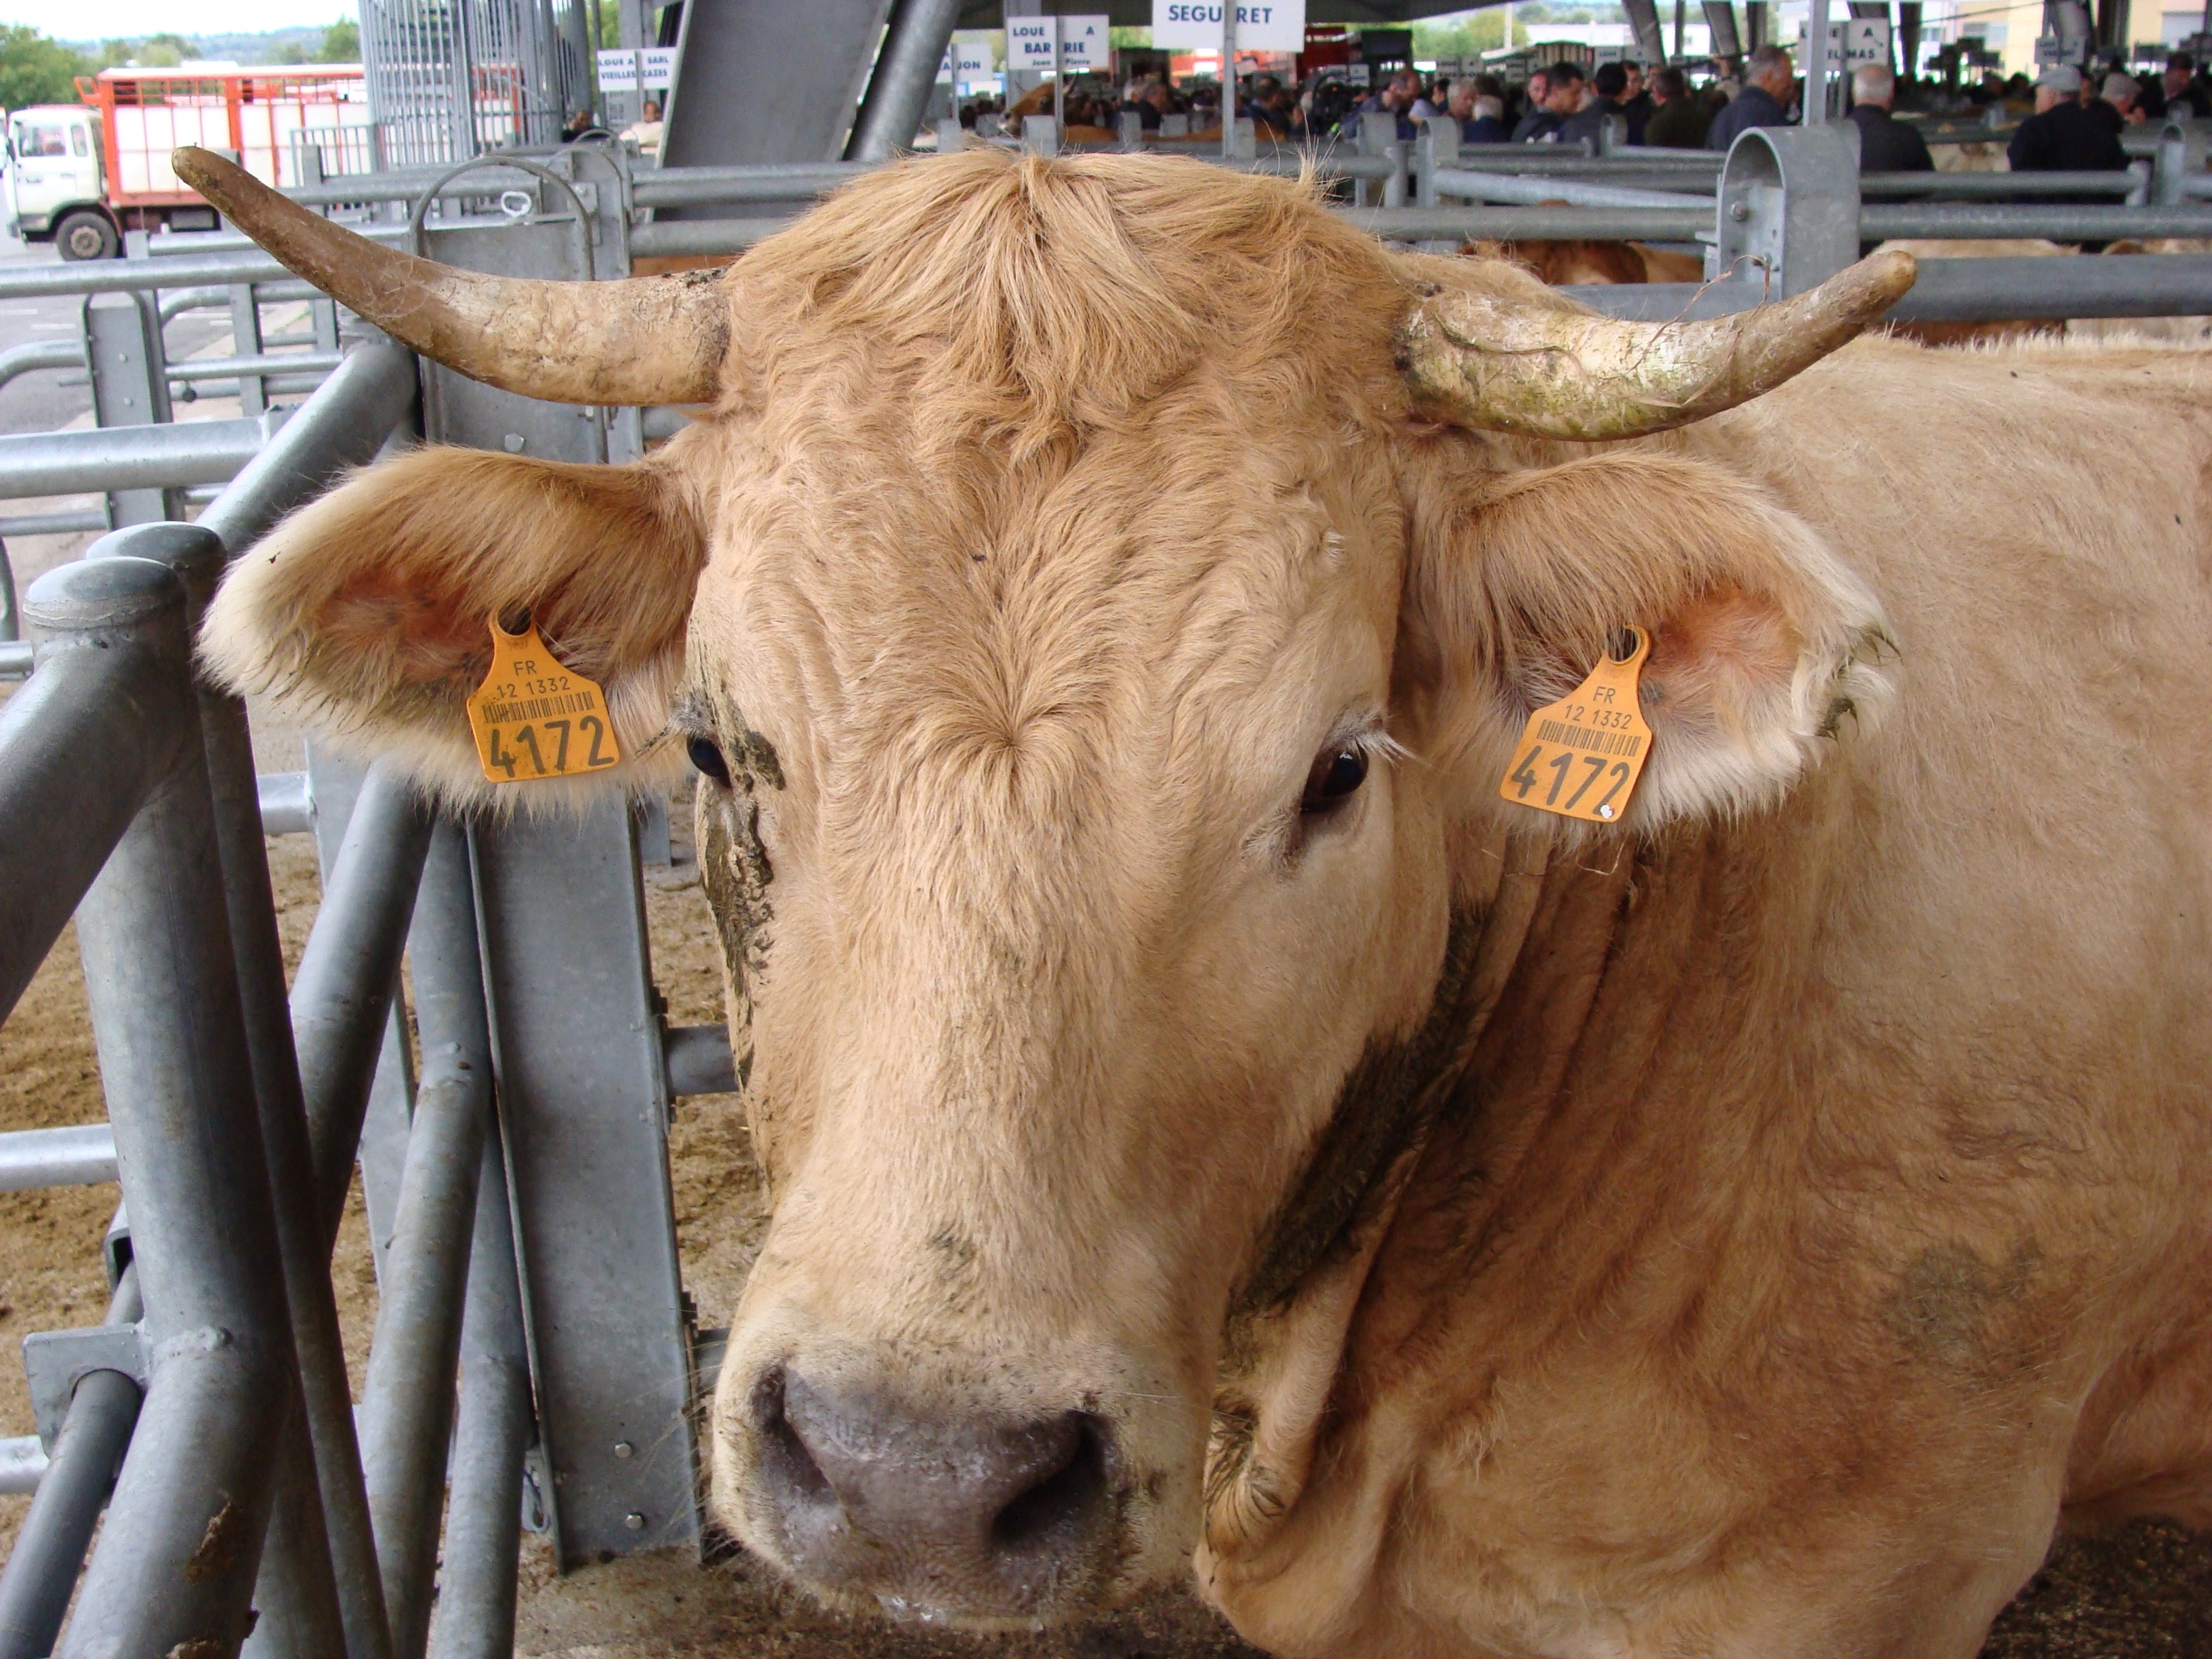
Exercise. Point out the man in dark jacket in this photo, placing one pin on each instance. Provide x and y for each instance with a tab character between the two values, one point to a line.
1563	97
1605	88
1886	143
1636	104
1678	120
2063	136
1768	79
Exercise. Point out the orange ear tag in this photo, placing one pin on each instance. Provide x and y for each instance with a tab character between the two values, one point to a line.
533	718
1580	756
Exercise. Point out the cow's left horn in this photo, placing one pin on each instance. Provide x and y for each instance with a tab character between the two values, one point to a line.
1502	365
643	340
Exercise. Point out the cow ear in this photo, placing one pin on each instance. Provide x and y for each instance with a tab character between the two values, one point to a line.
1764	647
366	616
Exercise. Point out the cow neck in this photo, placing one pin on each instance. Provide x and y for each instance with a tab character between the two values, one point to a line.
1394	1093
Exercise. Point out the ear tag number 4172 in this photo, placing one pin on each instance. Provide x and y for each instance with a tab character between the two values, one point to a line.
533	718
1580	756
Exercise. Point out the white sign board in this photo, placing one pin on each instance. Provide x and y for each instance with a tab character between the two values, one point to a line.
1029	45
970	59
1856	40
659	67
1261	25
1082	44
1866	40
617	71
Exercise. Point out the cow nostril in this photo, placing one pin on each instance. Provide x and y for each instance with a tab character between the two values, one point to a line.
786	1459
1063	1497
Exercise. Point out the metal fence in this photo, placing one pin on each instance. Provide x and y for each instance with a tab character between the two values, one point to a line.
449	80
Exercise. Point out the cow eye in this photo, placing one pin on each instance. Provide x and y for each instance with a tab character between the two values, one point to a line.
706	755
1338	772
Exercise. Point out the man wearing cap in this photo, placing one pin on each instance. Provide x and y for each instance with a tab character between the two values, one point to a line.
2118	102
2062	136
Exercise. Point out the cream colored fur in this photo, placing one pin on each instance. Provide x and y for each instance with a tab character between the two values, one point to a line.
1821	1211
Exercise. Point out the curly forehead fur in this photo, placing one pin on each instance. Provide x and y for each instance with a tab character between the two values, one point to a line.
1023	297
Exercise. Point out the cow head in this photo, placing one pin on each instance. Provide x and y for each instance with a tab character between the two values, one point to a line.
1103	596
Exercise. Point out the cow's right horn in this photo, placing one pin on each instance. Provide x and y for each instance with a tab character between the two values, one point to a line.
643	340
1500	364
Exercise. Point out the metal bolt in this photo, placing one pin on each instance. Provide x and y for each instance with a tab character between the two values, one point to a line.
513	442
624	1448
1739	211
634	1521
1605	811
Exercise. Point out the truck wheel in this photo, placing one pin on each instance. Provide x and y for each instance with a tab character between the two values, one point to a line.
83	236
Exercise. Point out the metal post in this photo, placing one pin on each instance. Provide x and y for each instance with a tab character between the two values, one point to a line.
1679	9
326	1592
409	1406
1229	79
176	1561
906	70
1817	67
246	342
129	387
42	1568
342	993
483	1520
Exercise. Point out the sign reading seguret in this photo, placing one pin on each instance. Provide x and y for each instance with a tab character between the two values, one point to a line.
1261	25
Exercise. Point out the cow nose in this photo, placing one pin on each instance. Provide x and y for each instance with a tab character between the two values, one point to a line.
933	1514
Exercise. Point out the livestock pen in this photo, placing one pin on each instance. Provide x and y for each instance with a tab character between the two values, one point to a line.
536	1359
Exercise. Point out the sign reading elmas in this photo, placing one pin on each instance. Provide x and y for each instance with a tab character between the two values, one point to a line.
1261	25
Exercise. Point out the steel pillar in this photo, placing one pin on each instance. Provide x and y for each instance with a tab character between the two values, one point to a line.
767	81
176	1561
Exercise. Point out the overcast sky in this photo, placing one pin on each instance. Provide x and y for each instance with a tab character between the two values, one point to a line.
104	19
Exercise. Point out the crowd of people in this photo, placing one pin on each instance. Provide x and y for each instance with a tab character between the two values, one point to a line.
2075	122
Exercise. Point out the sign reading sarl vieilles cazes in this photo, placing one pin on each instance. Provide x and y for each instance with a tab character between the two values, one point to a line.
1261	25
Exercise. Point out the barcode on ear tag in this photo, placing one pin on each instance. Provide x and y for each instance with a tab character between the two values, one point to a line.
1580	756
533	718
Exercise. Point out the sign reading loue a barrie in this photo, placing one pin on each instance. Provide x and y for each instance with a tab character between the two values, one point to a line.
1261	25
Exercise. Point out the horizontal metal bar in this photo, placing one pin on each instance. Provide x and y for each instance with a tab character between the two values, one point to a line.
16	660
215	295
1511	224
266	362
1575	192
126	457
288	808
1996	186
1962	221
40	353
1514	158
22	1460
199	244
2016	289
694	237
125	276
698	1060
54	524
688	186
81	1155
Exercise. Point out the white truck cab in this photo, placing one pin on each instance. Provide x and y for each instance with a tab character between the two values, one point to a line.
56	190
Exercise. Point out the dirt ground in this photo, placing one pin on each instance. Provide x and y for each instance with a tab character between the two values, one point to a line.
2135	1593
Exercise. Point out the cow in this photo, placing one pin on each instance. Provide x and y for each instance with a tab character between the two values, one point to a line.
1217	1123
